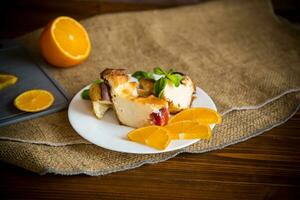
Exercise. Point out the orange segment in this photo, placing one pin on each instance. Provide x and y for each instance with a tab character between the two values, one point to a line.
160	139
153	136
188	130
64	42
202	115
139	135
34	100
7	80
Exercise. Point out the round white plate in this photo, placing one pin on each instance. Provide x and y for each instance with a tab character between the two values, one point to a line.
109	134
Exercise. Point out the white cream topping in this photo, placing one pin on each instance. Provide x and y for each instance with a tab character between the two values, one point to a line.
181	96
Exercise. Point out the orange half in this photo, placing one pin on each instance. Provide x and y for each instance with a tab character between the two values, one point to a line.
65	42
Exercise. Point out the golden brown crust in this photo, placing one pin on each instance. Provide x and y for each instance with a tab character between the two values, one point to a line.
193	98
146	87
194	94
147	84
128	91
95	92
112	72
151	100
173	109
143	93
187	79
115	77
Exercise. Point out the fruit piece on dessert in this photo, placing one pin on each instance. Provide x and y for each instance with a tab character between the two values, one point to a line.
132	108
100	97
180	97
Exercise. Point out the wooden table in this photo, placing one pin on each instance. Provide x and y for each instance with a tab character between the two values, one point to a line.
265	167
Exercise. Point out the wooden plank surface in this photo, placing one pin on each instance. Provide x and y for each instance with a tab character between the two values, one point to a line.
264	167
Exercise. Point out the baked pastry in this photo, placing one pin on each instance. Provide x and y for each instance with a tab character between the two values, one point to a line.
146	99
180	97
131	109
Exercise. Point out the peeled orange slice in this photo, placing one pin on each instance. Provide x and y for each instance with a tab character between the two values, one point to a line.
7	80
188	130
64	42
202	115
160	139
34	100
153	136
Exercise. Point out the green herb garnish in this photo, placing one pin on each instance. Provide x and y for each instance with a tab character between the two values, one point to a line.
98	81
85	94
141	74
161	83
175	78
159	71
171	75
159	87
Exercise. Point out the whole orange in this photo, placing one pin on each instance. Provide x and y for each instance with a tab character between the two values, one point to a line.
64	42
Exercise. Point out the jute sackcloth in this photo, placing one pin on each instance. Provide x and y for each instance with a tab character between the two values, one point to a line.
236	50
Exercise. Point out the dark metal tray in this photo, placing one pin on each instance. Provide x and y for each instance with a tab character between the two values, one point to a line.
15	60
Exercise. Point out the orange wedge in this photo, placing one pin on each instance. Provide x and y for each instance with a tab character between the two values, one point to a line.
34	100
188	130
7	80
202	115
64	42
153	136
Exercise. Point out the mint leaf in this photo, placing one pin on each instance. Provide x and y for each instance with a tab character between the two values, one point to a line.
85	94
159	71
171	71
159	87
98	81
138	75
175	78
149	75
141	74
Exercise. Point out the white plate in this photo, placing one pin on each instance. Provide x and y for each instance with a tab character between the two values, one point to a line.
109	134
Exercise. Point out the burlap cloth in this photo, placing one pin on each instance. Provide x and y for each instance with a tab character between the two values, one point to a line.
237	51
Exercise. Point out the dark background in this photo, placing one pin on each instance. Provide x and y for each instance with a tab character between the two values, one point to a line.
264	167
22	16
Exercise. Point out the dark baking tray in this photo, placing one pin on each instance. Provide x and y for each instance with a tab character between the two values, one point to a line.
15	60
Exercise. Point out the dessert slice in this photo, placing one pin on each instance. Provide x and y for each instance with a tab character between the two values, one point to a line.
132	108
100	97
179	97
